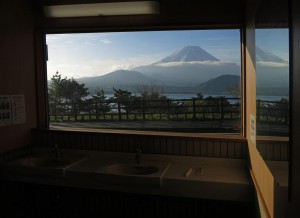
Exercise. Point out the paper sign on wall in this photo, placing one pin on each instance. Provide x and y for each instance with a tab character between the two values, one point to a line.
5	110
253	128
12	109
18	109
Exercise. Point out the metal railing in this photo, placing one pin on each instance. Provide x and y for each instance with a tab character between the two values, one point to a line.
215	109
272	111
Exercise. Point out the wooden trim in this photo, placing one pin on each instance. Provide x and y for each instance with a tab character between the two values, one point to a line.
265	208
243	83
238	138
263	177
41	80
272	139
73	2
55	29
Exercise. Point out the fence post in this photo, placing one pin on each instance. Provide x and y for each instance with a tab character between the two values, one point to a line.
90	112
258	110
168	109
96	110
222	109
74	111
55	112
143	109
119	111
287	112
194	109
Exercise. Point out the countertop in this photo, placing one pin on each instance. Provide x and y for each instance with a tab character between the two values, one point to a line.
209	178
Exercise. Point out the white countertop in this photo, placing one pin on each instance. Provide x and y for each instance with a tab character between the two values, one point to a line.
196	177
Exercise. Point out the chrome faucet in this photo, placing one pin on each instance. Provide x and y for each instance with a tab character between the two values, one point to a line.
138	155
56	151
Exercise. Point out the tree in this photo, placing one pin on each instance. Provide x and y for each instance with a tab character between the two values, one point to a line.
124	99
216	104
153	97
199	96
100	100
151	92
235	91
281	108
66	94
55	89
55	94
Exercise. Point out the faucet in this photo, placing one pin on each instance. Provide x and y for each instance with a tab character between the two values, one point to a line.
56	151
138	155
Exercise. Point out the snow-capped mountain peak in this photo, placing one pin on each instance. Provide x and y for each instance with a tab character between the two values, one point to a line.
189	54
264	55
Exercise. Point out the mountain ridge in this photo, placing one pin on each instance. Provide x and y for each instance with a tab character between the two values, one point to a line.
118	78
264	55
187	76
188	54
220	85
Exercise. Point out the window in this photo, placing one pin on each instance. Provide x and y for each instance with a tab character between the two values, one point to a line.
174	81
272	82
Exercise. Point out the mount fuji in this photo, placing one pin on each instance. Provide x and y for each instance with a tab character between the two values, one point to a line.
272	73
189	54
192	70
189	66
180	72
264	55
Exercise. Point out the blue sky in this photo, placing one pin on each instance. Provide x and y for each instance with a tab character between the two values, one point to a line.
95	54
275	40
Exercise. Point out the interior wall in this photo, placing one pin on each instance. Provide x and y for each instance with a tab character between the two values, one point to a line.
149	144
17	68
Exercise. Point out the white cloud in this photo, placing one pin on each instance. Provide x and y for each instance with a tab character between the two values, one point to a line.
69	70
122	67
87	68
174	64
106	41
76	67
87	39
272	64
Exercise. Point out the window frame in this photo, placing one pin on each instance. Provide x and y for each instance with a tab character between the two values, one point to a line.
41	78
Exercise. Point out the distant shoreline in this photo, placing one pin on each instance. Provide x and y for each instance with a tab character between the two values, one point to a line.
190	96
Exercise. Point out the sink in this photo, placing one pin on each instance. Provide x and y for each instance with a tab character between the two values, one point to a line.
131	169
45	165
127	172
46	162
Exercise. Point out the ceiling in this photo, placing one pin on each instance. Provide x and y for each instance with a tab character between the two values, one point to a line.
217	13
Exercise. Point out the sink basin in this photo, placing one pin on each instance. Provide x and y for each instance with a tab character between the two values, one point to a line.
45	165
46	162
131	169
127	172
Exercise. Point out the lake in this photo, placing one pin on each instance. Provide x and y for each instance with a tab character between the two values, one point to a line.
189	96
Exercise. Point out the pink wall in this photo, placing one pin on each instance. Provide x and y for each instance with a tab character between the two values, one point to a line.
17	68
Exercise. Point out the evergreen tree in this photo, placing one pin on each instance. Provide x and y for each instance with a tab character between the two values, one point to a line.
102	102
153	97
125	99
67	94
